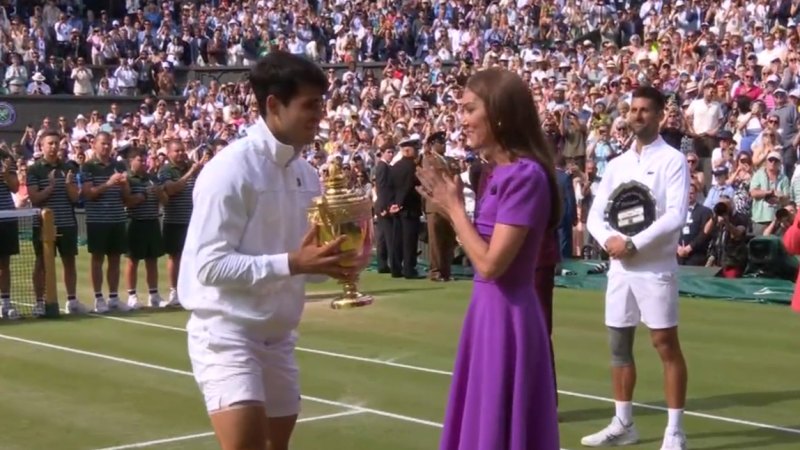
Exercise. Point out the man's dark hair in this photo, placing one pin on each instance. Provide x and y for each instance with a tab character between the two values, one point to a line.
218	143
54	133
134	152
651	94
282	74
104	133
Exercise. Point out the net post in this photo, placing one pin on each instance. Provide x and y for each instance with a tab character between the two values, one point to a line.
49	260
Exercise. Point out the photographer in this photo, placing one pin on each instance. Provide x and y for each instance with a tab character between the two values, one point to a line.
784	218
729	241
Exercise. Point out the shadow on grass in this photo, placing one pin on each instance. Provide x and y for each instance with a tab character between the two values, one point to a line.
746	438
752	436
63	317
313	297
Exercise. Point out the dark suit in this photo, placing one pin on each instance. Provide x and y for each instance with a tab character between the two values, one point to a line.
569	217
441	235
385	224
403	254
692	234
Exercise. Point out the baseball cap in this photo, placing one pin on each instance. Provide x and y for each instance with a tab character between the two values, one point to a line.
719	171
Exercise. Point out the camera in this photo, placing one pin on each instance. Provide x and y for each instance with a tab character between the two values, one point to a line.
721	209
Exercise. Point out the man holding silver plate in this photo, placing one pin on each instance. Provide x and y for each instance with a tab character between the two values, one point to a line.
637	214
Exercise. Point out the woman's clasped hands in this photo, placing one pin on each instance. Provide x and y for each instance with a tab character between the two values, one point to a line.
439	189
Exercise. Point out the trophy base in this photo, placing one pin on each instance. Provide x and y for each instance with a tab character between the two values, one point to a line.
350	301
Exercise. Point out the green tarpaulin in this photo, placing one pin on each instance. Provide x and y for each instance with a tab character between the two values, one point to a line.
693	282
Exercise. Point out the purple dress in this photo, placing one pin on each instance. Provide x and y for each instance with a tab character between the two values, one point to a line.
502	395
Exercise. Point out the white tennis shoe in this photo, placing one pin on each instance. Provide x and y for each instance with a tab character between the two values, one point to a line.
674	440
75	307
614	435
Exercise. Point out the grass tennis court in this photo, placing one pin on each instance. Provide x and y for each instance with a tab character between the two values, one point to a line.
378	377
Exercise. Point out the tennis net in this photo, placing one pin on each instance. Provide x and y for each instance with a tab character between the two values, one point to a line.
22	233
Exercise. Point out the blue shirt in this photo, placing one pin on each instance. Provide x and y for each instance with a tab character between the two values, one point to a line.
715	193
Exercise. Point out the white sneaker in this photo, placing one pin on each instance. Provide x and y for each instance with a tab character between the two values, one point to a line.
613	435
674	440
115	305
133	302
75	307
100	305
155	300
173	302
39	310
9	312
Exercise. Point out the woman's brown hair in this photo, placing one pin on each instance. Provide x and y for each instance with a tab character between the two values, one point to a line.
516	126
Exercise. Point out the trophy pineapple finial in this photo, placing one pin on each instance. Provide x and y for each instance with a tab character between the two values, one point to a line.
335	180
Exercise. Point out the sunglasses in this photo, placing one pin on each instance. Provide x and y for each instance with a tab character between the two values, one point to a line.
691	161
773	160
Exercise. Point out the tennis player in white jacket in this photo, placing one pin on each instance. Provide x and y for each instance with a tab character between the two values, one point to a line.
642	278
247	256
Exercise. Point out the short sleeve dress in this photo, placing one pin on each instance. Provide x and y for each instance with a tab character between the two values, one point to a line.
503	389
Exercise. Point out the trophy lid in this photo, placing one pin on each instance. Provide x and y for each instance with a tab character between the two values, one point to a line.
336	190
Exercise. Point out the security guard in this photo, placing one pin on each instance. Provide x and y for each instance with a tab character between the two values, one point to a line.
406	210
441	236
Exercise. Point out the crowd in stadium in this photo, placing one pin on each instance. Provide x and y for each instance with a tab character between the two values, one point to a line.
729	68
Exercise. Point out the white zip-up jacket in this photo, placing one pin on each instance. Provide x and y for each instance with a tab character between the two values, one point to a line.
665	171
250	211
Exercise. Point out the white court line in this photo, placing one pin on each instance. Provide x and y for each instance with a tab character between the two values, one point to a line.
362	409
447	373
131	362
190	437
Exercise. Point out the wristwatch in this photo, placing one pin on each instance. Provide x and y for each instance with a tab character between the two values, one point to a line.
630	247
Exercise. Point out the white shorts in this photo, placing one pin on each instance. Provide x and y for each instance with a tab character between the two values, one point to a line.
649	298
232	370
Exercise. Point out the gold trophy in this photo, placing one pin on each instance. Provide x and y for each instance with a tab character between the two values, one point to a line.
342	211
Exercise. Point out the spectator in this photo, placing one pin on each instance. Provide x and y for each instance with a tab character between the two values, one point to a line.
768	188
38	85
16	76
581	64
82	79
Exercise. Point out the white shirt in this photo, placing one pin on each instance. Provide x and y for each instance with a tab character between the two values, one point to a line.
665	171
250	211
706	116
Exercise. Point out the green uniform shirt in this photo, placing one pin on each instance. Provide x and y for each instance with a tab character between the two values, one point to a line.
59	202
109	207
179	208
149	209
6	200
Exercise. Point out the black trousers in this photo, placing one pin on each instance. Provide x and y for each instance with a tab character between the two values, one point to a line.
405	241
384	230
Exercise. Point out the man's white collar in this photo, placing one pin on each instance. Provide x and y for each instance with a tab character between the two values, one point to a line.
280	153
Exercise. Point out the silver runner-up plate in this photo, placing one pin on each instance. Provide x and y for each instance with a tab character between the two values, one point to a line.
631	208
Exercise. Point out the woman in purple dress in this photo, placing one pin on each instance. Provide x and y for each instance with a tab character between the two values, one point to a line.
502	395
